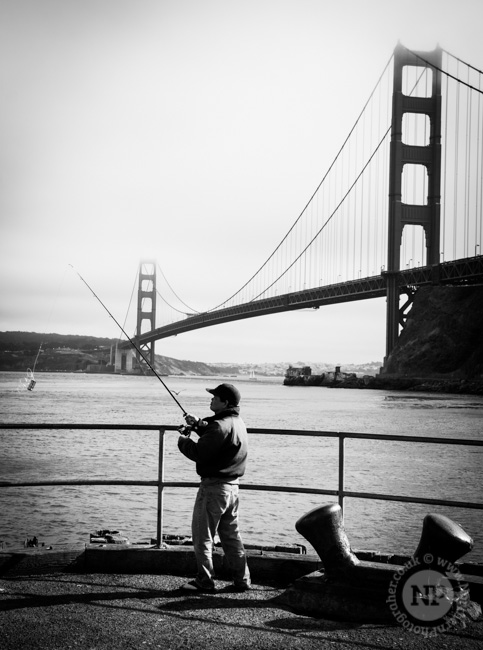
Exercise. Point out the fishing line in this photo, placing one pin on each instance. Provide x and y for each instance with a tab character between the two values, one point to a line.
129	339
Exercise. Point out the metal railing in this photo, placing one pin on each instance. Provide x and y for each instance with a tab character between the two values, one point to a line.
341	493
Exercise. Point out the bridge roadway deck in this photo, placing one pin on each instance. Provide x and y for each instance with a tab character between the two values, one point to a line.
457	272
58	610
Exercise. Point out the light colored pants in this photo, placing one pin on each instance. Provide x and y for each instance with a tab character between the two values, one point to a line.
216	511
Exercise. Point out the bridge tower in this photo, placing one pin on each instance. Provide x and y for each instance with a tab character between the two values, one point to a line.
146	308
428	155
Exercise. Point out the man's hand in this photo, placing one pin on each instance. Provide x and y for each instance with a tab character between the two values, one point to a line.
191	420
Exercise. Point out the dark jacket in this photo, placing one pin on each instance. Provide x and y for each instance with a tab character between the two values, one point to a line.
221	451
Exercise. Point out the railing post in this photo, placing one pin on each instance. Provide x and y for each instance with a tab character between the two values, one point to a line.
341	472
159	522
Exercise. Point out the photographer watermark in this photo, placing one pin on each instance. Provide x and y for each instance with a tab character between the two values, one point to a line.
428	596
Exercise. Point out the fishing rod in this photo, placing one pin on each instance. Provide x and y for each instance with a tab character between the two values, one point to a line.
129	339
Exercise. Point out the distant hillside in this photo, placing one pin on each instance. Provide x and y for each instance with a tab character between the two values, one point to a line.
24	341
72	353
169	366
59	353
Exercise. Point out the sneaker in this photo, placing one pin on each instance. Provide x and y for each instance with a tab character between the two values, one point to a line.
193	586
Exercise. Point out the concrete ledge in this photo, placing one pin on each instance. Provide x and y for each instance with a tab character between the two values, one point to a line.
283	568
42	560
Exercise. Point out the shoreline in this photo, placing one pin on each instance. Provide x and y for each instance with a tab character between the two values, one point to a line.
403	383
391	382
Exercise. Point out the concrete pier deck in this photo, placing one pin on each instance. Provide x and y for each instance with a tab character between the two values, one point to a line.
57	605
111	611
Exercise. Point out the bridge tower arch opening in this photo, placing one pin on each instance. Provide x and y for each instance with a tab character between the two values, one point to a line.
414	171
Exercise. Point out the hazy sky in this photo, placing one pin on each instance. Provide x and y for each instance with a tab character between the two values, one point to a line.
192	132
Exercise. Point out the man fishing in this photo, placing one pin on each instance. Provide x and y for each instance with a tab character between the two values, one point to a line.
220	455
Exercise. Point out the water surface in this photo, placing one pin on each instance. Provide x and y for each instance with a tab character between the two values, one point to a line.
67	514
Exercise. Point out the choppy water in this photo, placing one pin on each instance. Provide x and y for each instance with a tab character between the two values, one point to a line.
67	514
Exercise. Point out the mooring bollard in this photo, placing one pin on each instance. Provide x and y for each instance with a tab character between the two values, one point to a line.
361	590
442	540
323	527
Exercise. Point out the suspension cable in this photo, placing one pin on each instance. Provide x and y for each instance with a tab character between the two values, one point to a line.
176	295
311	198
448	74
329	218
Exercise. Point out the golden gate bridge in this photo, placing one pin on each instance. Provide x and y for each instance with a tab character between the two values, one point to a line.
400	207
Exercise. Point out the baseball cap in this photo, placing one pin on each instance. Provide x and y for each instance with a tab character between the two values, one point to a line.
227	393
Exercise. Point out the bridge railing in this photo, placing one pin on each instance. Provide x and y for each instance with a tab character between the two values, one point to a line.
340	492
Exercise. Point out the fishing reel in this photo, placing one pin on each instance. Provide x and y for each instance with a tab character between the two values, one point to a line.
185	430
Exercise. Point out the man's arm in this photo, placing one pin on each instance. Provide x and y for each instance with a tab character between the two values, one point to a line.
207	446
188	447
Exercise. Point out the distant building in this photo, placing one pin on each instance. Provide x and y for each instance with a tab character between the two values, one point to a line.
302	371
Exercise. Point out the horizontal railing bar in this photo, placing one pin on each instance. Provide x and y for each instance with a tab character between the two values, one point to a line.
178	484
434	502
266	488
93	481
371	436
275	432
282	488
165	484
75	427
261	488
423	439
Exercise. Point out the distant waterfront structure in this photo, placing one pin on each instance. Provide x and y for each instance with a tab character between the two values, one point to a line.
124	360
302	376
301	371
